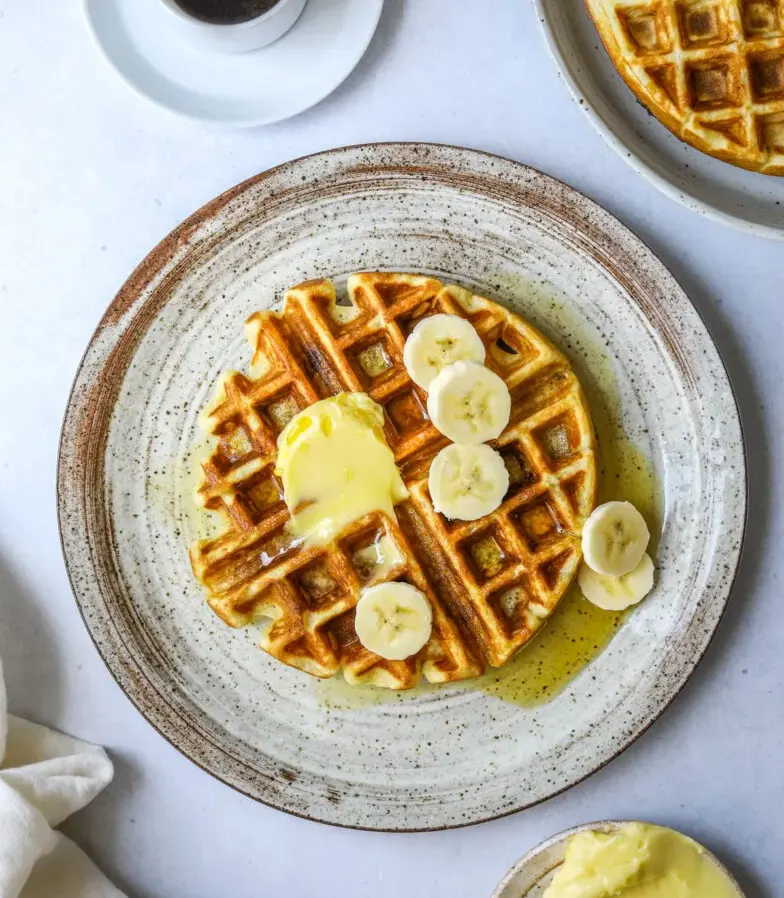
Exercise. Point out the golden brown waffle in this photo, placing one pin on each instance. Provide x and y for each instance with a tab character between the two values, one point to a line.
492	582
711	70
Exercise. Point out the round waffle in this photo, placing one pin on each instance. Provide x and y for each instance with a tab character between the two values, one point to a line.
712	71
491	583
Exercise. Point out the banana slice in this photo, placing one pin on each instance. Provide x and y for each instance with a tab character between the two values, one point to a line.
467	482
438	341
615	537
393	620
468	403
617	593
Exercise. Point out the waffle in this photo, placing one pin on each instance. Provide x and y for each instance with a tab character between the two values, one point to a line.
711	70
491	583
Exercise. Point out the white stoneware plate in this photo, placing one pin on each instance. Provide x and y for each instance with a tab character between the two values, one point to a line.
723	192
441	757
140	40
533	873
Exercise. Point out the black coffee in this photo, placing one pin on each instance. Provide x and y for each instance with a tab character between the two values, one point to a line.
226	12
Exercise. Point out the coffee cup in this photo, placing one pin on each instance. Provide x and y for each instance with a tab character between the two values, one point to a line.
233	26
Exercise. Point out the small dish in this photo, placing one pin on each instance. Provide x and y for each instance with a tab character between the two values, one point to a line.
237	37
143	42
533	873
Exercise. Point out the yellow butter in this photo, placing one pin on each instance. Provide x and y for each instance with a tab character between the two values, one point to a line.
336	466
638	861
379	558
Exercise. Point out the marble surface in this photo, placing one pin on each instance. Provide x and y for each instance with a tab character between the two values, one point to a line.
91	177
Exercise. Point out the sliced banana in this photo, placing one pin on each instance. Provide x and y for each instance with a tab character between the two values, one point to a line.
615	537
469	403
467	482
617	593
393	620
438	341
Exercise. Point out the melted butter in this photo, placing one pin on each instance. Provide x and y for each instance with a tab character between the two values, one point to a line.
200	523
171	490
378	560
574	636
337	695
638	861
336	466
625	470
577	632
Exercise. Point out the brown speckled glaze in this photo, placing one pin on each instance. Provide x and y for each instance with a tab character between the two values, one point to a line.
443	757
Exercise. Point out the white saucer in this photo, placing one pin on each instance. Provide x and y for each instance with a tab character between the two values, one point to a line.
142	44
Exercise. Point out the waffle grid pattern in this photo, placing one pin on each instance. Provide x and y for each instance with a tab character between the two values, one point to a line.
711	70
491	582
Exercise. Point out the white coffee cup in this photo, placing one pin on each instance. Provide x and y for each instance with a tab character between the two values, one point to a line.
242	36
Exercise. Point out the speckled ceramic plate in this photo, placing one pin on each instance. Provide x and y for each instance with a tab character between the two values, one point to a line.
742	199
440	757
533	873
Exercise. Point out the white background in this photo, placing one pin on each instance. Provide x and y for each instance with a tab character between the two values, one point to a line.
91	177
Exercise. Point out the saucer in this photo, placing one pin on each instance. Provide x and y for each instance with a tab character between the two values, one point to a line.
141	42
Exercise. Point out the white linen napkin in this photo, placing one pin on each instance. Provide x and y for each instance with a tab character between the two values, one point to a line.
44	778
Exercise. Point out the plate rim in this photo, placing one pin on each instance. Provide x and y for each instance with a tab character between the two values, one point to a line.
228	124
155	261
584	100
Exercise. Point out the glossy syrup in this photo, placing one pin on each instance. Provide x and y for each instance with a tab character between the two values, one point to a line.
578	632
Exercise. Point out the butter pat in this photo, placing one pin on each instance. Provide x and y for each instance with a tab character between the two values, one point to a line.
336	467
638	861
